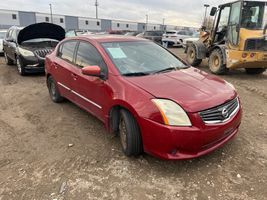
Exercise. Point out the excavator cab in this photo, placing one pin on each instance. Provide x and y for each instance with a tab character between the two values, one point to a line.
237	38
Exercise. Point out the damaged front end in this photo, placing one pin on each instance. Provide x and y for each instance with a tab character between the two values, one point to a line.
35	42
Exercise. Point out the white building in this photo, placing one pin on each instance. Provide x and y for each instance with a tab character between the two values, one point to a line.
89	24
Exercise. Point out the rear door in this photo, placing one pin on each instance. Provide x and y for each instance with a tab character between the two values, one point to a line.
62	66
91	93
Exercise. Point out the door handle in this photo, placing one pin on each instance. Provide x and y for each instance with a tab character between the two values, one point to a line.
56	65
74	76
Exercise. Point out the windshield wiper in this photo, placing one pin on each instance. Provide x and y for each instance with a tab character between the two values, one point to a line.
136	74
165	70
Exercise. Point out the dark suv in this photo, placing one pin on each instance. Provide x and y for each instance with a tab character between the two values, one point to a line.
27	47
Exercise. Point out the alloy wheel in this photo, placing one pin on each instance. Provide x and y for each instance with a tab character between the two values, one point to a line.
18	65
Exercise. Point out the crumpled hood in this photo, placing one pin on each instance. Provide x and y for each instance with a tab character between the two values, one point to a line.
41	30
191	88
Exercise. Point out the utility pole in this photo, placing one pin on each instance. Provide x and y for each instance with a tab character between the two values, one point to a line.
51	13
146	22
163	23
96	9
205	17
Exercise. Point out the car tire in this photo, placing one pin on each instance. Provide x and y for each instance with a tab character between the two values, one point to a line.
130	136
254	71
20	66
53	90
216	63
192	56
8	60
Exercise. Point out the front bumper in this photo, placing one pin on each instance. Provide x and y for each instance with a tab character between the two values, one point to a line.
171	41
33	64
176	143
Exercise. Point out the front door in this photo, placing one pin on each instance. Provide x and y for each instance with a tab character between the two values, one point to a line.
234	24
91	92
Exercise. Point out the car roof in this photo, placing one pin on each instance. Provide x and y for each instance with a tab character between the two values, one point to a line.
109	38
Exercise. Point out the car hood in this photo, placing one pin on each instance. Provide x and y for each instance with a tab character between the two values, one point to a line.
191	88
41	30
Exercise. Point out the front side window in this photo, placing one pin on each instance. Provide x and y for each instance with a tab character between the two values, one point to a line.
140	57
253	15
66	51
14	35
87	55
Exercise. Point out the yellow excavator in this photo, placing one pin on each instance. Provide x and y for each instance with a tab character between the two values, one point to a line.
237	39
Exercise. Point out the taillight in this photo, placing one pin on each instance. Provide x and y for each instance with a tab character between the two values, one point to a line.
244	55
252	55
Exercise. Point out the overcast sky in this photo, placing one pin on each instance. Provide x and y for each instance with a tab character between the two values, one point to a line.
175	12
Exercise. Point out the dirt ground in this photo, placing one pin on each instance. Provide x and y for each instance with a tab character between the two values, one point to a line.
36	161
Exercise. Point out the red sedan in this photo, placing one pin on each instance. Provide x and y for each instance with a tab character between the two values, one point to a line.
152	99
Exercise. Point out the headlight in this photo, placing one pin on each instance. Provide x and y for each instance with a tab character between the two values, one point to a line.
25	52
172	113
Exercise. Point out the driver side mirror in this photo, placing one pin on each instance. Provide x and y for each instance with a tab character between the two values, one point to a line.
213	11
92	71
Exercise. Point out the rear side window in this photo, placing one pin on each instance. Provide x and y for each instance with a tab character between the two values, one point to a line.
87	55
66	51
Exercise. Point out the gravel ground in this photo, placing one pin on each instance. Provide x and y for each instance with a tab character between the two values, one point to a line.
38	162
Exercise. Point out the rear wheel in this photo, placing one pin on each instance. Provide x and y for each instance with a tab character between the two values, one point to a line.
255	70
192	56
130	135
20	66
53	90
216	62
8	60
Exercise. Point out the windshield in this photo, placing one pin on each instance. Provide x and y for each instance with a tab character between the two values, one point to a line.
253	14
2	35
140	57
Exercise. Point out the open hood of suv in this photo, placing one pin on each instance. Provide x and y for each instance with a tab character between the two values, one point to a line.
41	30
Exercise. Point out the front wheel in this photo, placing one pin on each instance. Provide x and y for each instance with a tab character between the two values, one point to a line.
253	71
20	66
192	56
130	135
53	90
216	62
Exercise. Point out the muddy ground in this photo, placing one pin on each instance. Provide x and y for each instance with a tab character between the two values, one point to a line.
36	161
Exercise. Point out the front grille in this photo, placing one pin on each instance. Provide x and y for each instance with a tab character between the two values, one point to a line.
256	45
42	52
220	113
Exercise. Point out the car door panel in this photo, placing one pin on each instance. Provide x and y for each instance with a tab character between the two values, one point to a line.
61	71
91	92
62	68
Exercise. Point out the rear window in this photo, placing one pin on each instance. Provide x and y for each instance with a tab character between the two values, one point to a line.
66	50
